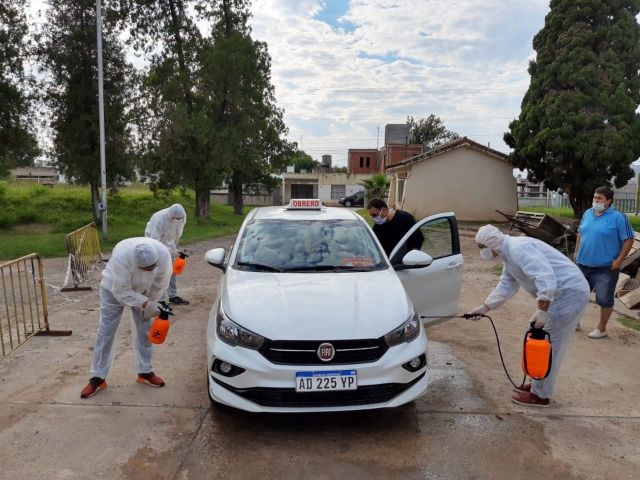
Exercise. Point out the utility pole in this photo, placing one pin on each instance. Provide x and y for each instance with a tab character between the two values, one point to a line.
103	167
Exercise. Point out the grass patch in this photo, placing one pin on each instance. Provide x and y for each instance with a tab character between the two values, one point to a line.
497	269
630	322
34	218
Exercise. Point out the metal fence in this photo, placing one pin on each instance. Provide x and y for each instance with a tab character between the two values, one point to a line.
624	202
83	246
23	303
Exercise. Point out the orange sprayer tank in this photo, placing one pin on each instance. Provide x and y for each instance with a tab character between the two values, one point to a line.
179	263
536	353
160	327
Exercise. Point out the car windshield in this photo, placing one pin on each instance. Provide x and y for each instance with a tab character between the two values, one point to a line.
308	246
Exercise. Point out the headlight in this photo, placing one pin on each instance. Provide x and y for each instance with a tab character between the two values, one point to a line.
235	335
406	332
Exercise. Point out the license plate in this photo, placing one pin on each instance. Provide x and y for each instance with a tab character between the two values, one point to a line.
325	381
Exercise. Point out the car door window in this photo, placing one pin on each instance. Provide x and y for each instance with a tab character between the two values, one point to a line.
440	240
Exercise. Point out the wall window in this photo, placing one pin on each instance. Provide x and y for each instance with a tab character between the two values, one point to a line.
338	191
361	162
368	162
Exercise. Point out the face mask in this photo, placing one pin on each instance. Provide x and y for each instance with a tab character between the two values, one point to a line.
486	254
598	207
379	220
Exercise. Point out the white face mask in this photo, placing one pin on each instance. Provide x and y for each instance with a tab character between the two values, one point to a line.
598	207
379	220
486	254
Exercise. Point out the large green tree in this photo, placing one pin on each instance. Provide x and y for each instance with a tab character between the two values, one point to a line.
18	146
236	70
578	127
430	131
69	60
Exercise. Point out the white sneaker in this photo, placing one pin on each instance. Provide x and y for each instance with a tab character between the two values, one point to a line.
598	334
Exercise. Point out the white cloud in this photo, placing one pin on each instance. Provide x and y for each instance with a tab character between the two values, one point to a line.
463	60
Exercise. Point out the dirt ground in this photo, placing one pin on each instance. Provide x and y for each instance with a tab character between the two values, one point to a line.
464	427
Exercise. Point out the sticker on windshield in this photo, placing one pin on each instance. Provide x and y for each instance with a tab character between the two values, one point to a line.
357	261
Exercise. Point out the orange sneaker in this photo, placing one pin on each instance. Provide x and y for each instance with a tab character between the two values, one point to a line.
150	379
94	386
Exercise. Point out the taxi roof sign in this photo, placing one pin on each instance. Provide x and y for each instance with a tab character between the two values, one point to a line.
304	204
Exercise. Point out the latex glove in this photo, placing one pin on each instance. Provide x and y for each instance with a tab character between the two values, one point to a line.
151	310
477	312
539	318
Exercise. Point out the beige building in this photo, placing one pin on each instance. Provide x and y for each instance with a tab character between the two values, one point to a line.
328	187
42	175
462	176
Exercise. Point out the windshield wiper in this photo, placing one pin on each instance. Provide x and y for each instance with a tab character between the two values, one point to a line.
259	266
327	268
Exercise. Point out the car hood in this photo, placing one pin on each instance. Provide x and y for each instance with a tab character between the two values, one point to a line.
316	306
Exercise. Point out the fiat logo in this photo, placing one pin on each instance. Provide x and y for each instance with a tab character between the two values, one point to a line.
326	352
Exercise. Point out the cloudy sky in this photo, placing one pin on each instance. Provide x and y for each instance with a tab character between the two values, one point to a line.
344	68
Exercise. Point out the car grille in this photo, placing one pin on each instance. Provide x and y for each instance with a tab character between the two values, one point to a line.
303	352
289	398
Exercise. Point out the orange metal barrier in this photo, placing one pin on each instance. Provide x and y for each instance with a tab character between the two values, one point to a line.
23	303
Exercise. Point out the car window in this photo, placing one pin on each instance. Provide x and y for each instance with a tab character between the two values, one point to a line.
438	241
308	245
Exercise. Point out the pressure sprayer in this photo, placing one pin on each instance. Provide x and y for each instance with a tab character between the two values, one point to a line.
179	263
160	326
536	350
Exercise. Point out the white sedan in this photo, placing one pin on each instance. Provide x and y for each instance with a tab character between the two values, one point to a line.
312	316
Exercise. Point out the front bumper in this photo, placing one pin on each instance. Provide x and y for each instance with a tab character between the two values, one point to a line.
269	387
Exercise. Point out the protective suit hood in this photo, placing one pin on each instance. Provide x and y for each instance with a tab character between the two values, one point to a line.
491	237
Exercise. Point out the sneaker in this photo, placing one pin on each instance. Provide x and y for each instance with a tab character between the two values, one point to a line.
94	386
525	388
150	379
178	301
529	399
598	334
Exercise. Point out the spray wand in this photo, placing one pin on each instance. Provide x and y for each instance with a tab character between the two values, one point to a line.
467	316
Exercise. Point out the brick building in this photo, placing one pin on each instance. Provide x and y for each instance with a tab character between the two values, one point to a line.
363	160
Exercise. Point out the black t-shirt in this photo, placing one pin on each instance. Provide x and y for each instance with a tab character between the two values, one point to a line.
390	232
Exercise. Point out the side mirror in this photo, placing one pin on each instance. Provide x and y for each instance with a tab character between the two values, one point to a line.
215	257
416	259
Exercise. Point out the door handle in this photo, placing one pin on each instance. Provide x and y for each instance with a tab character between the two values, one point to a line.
453	266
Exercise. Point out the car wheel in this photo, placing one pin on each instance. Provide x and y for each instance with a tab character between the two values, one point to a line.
347	203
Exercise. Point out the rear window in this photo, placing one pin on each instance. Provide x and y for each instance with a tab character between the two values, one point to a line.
308	245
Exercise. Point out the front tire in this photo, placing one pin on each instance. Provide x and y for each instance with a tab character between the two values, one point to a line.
347	203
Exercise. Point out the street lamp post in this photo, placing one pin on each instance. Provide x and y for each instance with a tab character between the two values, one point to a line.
103	167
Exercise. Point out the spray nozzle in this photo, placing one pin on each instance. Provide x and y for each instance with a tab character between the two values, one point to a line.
183	254
165	309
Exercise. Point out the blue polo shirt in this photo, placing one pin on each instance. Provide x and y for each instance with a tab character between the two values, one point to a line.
601	237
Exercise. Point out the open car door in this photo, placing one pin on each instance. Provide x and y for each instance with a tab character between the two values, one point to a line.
434	289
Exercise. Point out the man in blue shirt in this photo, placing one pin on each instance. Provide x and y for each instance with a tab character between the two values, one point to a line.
604	239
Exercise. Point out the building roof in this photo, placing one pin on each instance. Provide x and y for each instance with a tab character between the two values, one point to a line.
449	146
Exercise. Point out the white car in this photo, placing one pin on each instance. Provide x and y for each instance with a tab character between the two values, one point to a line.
312	316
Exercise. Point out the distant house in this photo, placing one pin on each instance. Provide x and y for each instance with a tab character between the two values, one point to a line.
42	175
328	187
462	176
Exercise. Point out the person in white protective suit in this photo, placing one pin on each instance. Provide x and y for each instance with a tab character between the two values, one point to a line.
136	276
560	290
166	226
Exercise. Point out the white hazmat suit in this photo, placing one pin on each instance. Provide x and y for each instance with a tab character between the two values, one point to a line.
546	274
125	284
167	226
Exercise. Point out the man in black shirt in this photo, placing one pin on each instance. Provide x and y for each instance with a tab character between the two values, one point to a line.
391	225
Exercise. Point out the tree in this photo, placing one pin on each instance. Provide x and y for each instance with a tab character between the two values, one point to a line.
578	127
18	146
181	139
69	60
430	131
236	70
376	186
302	161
